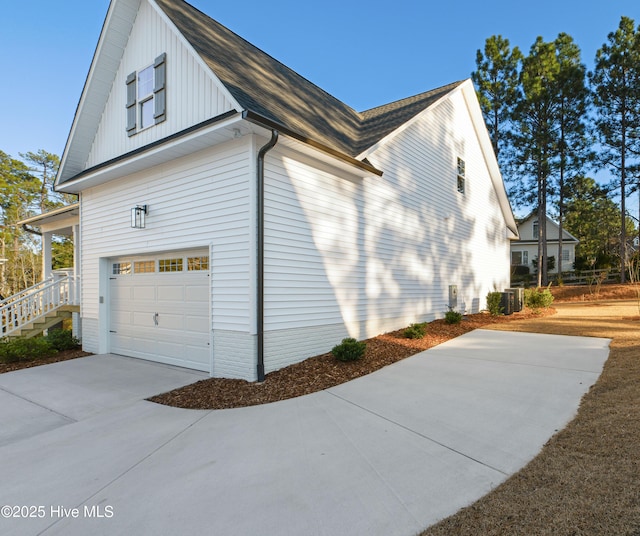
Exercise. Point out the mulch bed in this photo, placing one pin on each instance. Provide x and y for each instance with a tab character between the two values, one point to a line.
324	371
60	356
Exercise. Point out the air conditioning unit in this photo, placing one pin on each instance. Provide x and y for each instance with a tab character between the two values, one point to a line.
518	302
507	302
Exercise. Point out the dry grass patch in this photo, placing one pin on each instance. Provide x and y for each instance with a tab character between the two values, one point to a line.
586	480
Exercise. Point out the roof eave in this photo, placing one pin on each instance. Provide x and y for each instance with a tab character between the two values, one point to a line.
262	121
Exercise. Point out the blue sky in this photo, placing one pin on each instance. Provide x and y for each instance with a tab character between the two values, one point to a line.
365	53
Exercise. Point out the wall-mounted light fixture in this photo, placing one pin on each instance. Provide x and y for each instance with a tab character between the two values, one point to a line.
138	214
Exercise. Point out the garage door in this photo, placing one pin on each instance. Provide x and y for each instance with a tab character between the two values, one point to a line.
159	308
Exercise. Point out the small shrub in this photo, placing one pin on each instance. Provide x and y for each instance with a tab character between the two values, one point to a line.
494	306
536	298
521	270
349	350
452	317
16	350
62	339
416	331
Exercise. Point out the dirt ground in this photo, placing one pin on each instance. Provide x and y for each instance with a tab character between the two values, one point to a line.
586	480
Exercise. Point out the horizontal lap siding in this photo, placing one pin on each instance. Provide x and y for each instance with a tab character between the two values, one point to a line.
359	257
196	201
462	238
313	241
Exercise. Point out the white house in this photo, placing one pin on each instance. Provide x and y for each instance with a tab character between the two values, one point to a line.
525	250
235	218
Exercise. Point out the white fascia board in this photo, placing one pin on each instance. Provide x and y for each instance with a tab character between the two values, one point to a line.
471	100
310	153
115	32
157	154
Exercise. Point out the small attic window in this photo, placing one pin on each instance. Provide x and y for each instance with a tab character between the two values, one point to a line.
461	176
146	100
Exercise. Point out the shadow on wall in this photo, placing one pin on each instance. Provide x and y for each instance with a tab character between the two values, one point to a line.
390	247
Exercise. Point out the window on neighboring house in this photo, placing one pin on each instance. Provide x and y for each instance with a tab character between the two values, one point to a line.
519	258
146	100
565	254
461	176
535	229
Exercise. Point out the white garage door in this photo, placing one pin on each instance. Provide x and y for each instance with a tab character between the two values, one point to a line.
159	308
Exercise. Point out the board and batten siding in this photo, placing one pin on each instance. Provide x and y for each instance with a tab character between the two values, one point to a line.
354	256
192	94
202	200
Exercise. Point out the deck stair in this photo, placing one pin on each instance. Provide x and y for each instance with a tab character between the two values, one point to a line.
40	307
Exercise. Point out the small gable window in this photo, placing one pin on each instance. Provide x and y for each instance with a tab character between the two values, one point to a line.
146	100
461	176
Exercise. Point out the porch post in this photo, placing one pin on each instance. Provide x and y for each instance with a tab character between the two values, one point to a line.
76	250
76	318
46	255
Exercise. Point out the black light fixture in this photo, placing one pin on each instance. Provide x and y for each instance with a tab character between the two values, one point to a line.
138	214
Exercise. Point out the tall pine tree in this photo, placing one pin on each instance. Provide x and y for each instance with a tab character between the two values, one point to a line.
496	81
616	93
574	145
535	139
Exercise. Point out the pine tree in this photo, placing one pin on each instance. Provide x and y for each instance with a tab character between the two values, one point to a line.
574	145
616	93
535	139
496	81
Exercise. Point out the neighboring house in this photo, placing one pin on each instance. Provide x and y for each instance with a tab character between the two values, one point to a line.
235	218
525	250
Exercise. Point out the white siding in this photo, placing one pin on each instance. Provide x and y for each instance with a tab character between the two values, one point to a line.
192	93
529	242
457	239
359	257
198	201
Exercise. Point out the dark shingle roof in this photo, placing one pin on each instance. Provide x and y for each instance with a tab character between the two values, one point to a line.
263	85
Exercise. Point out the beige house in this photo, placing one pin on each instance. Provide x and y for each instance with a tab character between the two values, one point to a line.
525	250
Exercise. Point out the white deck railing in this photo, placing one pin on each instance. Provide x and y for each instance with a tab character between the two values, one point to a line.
35	302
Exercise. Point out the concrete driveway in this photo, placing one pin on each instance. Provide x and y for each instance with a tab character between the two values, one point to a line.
82	452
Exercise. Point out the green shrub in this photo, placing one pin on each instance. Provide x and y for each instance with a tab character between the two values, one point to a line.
349	350
416	331
62	339
494	306
452	317
16	350
520	270
537	298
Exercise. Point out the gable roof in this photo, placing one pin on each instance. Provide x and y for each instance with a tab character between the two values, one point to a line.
566	235
268	92
271	90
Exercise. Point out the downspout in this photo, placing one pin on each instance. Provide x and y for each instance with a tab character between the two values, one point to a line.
260	253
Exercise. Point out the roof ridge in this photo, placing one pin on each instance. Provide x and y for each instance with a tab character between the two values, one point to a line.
272	58
267	87
371	112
